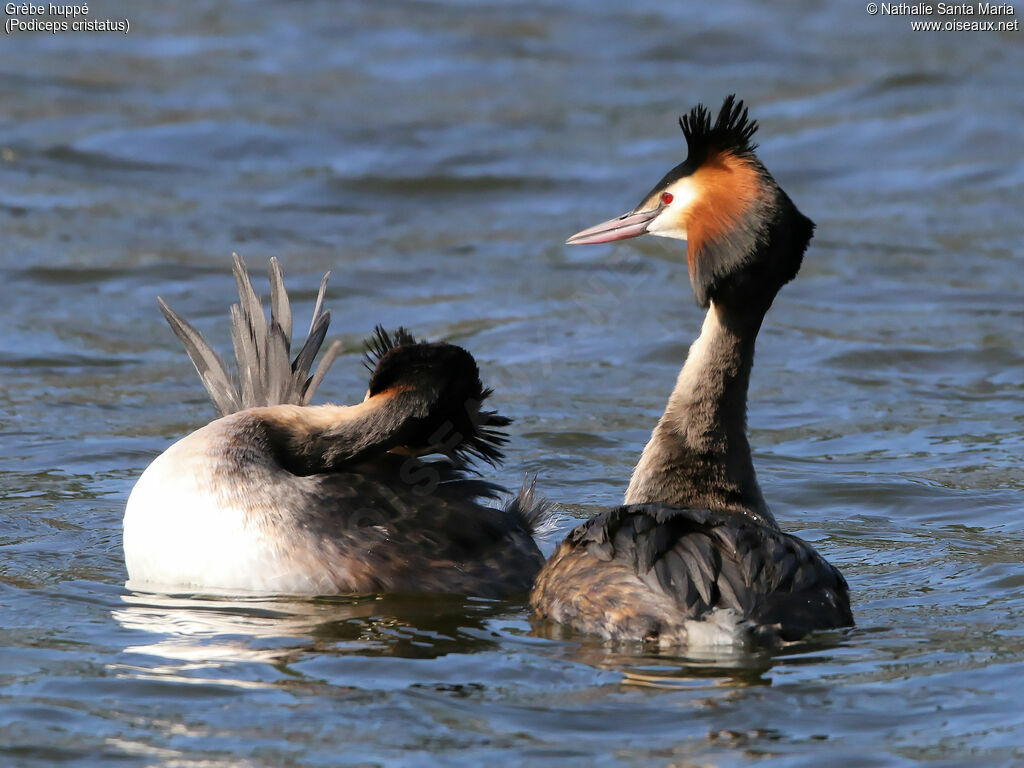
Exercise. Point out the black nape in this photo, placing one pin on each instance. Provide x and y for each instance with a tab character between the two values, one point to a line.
745	269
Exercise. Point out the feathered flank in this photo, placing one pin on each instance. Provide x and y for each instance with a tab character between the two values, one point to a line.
264	375
446	380
731	132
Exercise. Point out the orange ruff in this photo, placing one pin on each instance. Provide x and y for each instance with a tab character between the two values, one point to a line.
727	186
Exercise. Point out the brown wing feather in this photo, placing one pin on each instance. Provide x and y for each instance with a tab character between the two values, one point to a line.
681	564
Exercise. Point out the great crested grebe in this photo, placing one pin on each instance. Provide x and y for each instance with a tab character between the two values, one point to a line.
280	497
695	557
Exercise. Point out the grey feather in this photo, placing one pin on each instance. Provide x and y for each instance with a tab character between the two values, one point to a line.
304	360
536	514
280	307
255	325
278	368
208	364
732	587
319	302
321	370
264	374
701	574
245	357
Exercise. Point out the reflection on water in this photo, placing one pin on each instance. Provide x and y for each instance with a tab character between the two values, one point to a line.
435	156
218	628
207	631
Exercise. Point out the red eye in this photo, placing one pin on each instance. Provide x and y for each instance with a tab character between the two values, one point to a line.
666	198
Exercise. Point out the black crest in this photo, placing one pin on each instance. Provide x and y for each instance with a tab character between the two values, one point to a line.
731	131
382	342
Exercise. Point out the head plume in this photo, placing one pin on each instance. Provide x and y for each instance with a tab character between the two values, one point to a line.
745	237
731	132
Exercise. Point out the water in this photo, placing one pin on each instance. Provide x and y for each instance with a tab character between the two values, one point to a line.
435	156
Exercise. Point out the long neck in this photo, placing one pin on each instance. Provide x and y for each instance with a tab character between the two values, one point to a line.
698	454
311	439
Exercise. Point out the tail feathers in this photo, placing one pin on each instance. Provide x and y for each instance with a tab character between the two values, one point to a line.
536	514
262	349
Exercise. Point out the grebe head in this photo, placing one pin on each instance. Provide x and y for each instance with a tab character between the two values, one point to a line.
441	384
745	238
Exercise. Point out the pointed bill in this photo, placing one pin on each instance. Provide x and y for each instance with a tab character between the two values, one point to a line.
632	224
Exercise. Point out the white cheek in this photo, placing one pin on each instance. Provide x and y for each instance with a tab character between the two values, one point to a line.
662	227
672	221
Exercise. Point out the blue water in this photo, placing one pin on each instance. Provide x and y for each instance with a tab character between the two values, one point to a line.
434	156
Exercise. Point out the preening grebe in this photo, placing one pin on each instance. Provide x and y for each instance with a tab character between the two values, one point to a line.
695	557
281	497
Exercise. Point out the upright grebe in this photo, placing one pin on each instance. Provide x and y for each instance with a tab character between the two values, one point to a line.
281	497
695	556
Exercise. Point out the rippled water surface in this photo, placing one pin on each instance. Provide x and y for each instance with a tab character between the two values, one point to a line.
434	156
